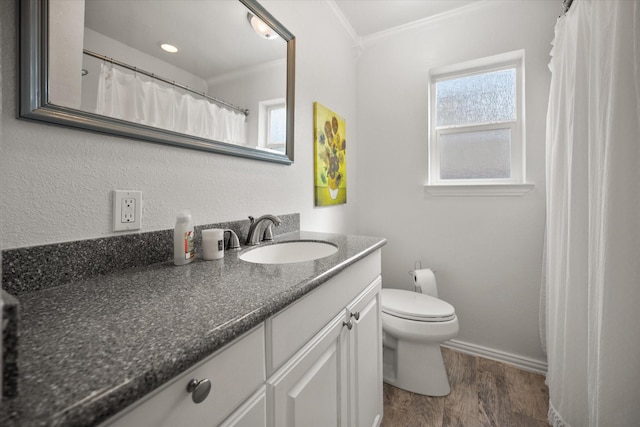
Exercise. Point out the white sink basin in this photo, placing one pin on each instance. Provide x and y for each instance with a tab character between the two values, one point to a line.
289	252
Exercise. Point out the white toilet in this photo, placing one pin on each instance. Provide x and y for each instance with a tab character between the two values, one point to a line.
413	325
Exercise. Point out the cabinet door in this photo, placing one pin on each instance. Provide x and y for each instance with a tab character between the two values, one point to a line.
289	330
365	348
252	413
311	388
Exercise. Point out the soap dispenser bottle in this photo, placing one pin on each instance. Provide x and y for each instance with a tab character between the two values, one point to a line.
183	244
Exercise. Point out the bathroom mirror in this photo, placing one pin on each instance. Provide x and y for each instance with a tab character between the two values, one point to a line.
99	66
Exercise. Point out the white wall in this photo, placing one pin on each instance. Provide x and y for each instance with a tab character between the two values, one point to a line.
487	250
56	182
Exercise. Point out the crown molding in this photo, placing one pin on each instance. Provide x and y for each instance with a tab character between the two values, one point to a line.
360	43
421	23
357	40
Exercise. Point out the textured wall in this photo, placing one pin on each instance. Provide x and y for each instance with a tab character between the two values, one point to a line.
487	250
56	182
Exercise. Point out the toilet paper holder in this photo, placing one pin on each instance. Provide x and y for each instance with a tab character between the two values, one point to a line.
417	288
418	266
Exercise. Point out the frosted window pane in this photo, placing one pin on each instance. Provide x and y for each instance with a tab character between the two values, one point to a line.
277	125
480	98
476	155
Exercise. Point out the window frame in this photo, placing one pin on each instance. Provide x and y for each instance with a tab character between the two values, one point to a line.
269	143
435	184
265	109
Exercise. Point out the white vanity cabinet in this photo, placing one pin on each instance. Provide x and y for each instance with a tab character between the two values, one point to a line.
236	373
311	389
318	362
253	413
365	355
335	377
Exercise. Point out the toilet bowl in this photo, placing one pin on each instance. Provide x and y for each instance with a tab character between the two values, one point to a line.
413	326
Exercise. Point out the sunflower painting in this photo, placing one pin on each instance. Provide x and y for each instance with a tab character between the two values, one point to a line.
330	162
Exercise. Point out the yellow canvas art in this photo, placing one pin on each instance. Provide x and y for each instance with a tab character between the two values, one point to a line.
330	148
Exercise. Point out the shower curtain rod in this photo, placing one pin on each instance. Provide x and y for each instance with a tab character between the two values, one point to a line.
171	82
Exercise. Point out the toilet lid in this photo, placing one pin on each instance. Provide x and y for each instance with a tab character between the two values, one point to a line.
416	306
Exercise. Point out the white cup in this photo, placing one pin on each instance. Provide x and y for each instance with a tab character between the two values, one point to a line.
212	243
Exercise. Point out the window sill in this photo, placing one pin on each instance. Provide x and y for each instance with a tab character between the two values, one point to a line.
479	190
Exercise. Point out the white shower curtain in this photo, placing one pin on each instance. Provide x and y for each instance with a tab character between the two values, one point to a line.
128	97
593	216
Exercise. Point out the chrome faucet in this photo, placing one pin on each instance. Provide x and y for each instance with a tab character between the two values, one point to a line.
253	237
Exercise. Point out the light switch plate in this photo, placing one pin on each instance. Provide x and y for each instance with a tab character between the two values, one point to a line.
127	210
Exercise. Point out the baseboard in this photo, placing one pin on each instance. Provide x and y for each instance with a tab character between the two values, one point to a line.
524	363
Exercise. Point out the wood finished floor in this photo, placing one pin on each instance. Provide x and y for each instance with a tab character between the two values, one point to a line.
483	393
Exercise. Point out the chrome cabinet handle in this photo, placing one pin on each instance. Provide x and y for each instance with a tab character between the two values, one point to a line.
348	324
199	389
356	315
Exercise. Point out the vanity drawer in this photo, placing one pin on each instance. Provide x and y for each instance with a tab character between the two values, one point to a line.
290	329
235	372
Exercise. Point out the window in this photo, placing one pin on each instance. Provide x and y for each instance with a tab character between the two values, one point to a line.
276	131
273	125
476	122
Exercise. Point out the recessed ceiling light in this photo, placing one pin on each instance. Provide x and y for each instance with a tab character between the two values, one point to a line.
169	48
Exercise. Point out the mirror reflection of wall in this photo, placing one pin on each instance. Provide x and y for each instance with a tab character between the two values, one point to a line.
66	31
219	55
254	87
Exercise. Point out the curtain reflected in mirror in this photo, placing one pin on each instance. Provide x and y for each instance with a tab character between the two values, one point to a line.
129	96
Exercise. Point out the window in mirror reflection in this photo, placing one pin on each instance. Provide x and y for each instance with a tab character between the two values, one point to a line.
273	124
277	128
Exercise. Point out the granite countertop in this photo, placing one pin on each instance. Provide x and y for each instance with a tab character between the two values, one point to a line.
89	349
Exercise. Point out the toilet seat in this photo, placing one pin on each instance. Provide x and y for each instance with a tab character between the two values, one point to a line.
415	306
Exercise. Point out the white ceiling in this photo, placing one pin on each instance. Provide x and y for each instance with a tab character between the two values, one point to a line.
220	28
372	16
214	37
